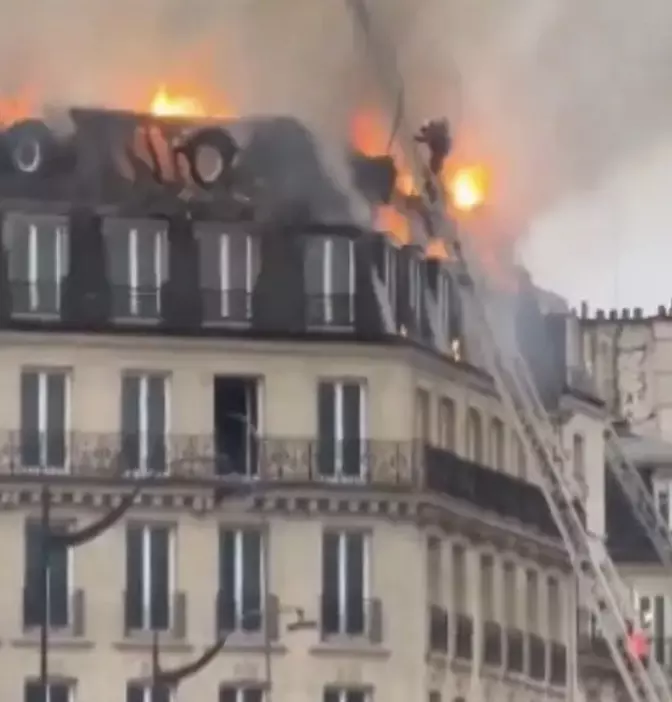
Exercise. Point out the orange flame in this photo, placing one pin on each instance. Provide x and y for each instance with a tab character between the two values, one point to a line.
165	104
467	187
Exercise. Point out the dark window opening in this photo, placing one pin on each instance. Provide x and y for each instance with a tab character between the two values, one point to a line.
236	425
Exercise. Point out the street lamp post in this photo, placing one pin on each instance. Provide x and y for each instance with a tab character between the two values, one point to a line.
51	539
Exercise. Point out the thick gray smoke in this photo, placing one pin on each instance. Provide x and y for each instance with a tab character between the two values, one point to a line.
555	94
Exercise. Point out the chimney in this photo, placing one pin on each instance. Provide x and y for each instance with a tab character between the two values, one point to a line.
626	313
613	314
599	313
662	311
638	313
584	309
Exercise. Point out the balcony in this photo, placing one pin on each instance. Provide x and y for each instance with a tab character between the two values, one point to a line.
515	651
66	611
464	637
363	462
226	307
163	613
354	618
438	630
492	644
335	311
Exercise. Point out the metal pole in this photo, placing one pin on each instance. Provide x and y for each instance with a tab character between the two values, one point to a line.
44	589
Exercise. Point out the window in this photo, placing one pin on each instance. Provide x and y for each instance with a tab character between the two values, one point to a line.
38	262
488	588
142	692
519	456
662	494
240	694
391	254
579	457
652	619
144	420
44	419
555	611
330	281
58	580
447	424
511	608
334	694
532	599
497	447
344	583
149	577
55	692
241	580
415	287
422	419
474	436
137	254
341	416
230	266
459	579
434	571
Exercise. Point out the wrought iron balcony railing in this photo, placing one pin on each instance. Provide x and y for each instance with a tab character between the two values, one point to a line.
353	617
404	465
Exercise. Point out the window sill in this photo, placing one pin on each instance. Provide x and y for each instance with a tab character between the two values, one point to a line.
63	639
344	646
143	640
252	642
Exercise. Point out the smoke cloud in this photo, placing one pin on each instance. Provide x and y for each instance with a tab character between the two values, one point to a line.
555	96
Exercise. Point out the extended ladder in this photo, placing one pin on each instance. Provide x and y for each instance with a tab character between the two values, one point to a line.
639	496
608	597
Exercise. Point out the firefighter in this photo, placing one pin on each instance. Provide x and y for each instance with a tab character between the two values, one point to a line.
637	643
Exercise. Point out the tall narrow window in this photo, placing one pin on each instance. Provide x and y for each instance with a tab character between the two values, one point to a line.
416	286
422	416
144	422
488	588
58	581
55	692
555	611
143	692
497	444
44	419
335	694
659	630
447	424
511	607
345	583
241	580
341	415
330	281
434	571
474	436
459	580
149	577
38	262
230	693
519	456
138	265
662	494
532	601
230	265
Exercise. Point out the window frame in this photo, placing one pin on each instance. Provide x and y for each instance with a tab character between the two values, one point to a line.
68	685
42	418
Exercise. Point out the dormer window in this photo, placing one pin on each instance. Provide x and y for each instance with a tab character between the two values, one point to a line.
137	256
330	281
37	248
229	266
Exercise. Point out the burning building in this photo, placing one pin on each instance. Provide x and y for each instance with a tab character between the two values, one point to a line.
247	447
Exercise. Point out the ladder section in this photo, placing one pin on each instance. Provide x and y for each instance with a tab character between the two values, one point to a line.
639	496
595	571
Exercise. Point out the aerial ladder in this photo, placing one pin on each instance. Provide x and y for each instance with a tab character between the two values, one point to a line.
599	582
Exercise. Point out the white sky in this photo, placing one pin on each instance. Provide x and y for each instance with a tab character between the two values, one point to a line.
611	246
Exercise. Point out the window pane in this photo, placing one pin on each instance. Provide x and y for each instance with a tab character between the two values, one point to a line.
251	605
134	577
159	575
